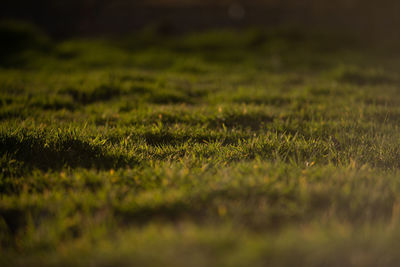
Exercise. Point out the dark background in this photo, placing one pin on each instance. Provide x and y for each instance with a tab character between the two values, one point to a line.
66	18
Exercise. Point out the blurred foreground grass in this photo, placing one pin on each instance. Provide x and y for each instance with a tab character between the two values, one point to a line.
223	148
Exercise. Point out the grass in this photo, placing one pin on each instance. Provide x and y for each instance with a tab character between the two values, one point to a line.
250	148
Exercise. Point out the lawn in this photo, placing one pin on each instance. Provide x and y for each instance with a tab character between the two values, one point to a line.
220	148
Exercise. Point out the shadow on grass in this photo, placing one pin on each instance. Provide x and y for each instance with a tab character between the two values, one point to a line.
241	121
101	93
232	120
35	152
206	206
264	100
168	138
53	103
360	77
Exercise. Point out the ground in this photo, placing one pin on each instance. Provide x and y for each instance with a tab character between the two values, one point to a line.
222	148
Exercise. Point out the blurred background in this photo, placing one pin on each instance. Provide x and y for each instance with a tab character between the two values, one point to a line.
67	18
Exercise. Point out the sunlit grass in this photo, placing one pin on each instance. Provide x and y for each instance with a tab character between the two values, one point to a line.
225	148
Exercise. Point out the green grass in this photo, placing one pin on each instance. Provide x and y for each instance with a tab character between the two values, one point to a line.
250	148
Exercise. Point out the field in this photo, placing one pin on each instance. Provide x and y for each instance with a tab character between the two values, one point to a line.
221	148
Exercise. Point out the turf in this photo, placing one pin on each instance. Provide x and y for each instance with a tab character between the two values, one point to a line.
222	148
